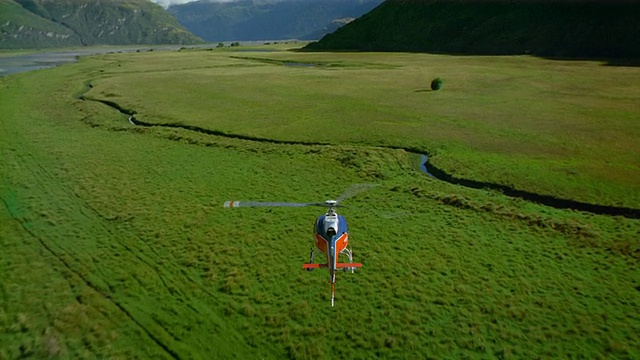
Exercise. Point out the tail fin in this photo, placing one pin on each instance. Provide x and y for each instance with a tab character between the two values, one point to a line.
338	266
333	293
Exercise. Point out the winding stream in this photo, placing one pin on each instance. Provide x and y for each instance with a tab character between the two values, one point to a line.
426	167
35	61
424	159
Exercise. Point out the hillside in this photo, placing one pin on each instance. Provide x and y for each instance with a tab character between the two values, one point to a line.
20	28
247	20
47	23
491	27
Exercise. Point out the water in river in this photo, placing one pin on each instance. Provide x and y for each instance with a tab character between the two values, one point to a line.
11	64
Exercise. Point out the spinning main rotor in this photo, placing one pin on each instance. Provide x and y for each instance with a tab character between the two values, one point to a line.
326	239
351	191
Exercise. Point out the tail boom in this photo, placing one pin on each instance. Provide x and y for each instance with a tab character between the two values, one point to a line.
338	266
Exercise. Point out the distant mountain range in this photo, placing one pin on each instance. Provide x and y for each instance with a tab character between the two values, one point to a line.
246	20
552	28
55	23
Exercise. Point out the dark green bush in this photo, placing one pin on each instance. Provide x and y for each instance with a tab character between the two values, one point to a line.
436	84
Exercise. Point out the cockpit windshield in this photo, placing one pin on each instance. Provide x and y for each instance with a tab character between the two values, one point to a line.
331	224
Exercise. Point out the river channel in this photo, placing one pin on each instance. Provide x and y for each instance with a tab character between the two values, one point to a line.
42	59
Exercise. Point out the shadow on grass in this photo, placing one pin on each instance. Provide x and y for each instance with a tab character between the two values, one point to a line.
547	200
605	61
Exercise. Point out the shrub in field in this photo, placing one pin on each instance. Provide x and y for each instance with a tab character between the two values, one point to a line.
436	84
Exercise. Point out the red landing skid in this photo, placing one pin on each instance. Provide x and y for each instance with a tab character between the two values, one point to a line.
338	265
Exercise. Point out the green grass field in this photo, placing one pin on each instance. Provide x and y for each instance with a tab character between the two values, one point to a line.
115	243
566	129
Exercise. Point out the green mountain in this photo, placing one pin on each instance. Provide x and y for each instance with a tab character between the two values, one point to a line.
51	23
20	28
244	20
553	28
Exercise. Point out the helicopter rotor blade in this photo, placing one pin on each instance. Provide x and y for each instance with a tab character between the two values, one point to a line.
354	190
351	191
232	204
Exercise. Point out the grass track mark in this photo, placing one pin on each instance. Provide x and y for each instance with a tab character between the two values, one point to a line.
90	284
144	260
41	173
163	314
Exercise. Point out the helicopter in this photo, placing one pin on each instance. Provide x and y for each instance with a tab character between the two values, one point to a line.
331	234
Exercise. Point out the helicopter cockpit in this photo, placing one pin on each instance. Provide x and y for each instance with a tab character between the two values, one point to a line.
331	223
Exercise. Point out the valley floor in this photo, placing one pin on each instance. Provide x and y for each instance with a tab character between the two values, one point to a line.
115	242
